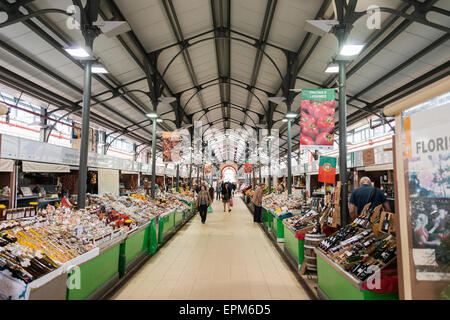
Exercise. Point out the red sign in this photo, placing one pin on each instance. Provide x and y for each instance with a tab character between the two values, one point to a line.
247	167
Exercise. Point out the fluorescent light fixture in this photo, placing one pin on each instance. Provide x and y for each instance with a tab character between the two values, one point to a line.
77	52
270	137
351	49
291	115
332	68
159	120
152	115
284	120
98	68
277	100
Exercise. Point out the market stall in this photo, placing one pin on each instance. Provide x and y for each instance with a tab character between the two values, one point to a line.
128	182
7	182
40	182
94	250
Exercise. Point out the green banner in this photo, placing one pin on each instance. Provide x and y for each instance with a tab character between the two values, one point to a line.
318	94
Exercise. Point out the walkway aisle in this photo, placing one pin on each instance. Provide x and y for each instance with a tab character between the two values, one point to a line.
229	257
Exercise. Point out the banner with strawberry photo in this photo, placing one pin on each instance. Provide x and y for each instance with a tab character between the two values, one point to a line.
317	118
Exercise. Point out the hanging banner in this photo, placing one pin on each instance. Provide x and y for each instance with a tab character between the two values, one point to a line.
207	169
427	146
317	118
327	169
198	152
171	146
247	167
76	138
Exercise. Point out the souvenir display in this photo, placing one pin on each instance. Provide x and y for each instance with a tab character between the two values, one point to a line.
360	248
38	242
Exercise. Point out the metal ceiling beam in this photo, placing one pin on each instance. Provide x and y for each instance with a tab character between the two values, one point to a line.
402	66
378	47
424	80
106	81
117	14
56	45
221	50
19	83
178	32
53	75
264	35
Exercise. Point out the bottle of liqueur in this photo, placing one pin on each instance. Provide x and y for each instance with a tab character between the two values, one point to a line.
386	223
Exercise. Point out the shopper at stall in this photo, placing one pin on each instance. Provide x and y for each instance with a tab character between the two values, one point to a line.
203	202
363	195
257	201
226	196
146	186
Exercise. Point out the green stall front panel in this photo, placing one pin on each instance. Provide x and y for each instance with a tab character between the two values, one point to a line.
166	225
153	241
269	220
178	217
136	244
338	287
95	273
266	218
278	229
294	246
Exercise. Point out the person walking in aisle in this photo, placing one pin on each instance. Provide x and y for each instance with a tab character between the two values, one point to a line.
257	201
211	193
218	191
226	196
233	188
363	195
203	202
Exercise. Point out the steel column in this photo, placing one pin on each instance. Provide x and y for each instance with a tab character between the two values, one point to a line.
82	177
153	159
289	162
342	132
270	164
178	178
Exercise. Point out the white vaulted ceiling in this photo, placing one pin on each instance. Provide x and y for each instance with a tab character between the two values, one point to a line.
223	82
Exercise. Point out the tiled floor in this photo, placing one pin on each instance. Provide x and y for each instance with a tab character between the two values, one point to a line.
229	257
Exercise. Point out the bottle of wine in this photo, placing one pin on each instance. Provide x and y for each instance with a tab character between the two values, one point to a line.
386	223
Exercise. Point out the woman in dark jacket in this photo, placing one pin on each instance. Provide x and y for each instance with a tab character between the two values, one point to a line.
226	196
203	202
211	193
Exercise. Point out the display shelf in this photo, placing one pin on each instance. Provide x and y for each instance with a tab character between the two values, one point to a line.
337	284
